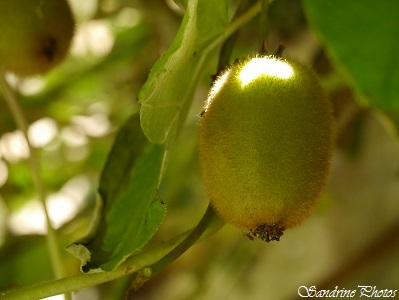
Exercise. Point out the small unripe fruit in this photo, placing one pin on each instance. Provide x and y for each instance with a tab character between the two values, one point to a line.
266	139
35	35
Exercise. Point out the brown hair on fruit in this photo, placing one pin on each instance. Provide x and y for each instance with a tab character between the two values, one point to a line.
35	35
266	140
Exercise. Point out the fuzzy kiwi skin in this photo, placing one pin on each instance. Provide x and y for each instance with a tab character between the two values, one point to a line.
35	35
265	148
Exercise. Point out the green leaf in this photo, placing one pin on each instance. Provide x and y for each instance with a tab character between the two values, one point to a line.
362	38
174	77
131	209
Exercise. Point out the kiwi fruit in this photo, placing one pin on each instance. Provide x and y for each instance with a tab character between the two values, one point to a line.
35	35
266	141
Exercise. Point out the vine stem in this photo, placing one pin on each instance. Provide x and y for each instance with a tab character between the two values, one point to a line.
51	236
157	257
146	273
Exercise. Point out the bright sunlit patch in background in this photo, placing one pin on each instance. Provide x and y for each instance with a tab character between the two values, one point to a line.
265	66
29	219
84	10
93	38
62	207
13	146
42	132
128	17
31	86
95	125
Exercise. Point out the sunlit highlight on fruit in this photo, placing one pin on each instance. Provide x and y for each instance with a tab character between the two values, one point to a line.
264	66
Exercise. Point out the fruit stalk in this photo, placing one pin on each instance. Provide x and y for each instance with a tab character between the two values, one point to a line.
263	30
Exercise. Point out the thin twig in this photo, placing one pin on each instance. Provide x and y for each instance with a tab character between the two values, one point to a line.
51	237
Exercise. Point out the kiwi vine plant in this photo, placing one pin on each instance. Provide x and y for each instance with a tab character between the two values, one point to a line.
198	149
